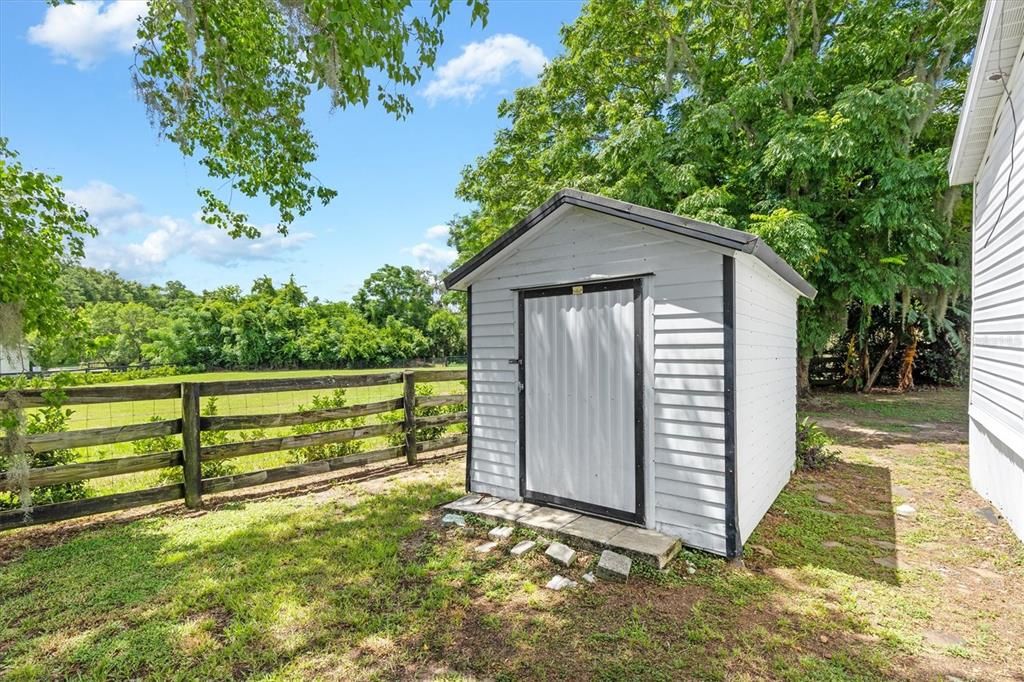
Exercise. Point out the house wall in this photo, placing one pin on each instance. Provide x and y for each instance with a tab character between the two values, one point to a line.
766	365
14	359
997	344
685	361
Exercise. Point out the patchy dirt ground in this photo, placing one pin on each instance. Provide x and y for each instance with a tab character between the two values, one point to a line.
885	566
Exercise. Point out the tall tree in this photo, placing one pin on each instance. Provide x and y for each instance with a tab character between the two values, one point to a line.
40	233
402	293
821	125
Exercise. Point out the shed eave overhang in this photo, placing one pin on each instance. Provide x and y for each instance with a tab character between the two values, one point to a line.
999	43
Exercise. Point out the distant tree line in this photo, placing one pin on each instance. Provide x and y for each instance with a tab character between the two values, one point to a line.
398	314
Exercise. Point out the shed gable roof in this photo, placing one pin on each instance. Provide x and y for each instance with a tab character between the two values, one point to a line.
717	235
999	43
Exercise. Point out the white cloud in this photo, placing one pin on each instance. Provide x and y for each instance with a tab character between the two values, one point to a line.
431	257
88	30
437	232
482	64
109	208
139	245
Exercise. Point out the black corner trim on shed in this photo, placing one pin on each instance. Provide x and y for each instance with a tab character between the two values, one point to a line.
733	544
469	388
710	233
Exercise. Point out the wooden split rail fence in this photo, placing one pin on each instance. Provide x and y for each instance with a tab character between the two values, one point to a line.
192	454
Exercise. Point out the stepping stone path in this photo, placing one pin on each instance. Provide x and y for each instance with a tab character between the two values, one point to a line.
832	544
942	639
523	548
985	573
989	514
561	554
500	533
485	548
453	520
825	499
906	510
593	534
560	583
887	562
933	546
614	566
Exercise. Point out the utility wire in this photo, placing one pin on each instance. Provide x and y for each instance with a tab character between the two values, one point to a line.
1001	77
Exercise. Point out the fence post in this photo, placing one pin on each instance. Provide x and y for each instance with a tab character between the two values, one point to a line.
409	403
192	467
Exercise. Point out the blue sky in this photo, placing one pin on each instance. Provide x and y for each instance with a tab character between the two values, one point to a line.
67	105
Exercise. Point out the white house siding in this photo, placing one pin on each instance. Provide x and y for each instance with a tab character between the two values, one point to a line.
685	375
14	360
766	360
997	348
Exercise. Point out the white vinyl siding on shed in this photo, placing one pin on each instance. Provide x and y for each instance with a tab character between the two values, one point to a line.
685	373
766	365
997	343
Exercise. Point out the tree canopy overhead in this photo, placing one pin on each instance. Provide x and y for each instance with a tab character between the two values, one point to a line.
228	82
823	126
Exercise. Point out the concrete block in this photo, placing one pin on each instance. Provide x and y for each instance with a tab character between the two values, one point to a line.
561	554
654	547
560	583
592	531
523	548
614	566
471	504
453	520
546	518
906	510
508	510
500	533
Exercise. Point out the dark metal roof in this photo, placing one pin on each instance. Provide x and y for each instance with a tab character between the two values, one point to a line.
681	225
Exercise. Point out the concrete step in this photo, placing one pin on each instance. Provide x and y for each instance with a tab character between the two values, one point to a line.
649	546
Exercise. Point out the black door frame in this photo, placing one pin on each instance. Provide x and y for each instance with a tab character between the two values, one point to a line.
636	284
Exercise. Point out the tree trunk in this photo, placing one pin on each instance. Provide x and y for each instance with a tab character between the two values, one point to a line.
865	365
803	377
873	377
906	378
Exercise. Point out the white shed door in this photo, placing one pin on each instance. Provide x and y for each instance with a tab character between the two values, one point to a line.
580	386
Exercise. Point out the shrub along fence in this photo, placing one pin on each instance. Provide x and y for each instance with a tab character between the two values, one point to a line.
192	454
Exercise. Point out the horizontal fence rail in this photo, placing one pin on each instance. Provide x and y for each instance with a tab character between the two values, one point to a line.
242	386
260	421
189	459
216	453
88	395
84	471
108	435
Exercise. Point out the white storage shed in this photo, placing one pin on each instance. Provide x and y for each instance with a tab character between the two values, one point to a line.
633	364
987	151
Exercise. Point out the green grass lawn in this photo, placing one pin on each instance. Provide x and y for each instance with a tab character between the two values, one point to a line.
358	580
134	412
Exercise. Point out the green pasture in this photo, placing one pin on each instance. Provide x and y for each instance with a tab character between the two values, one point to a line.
140	411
